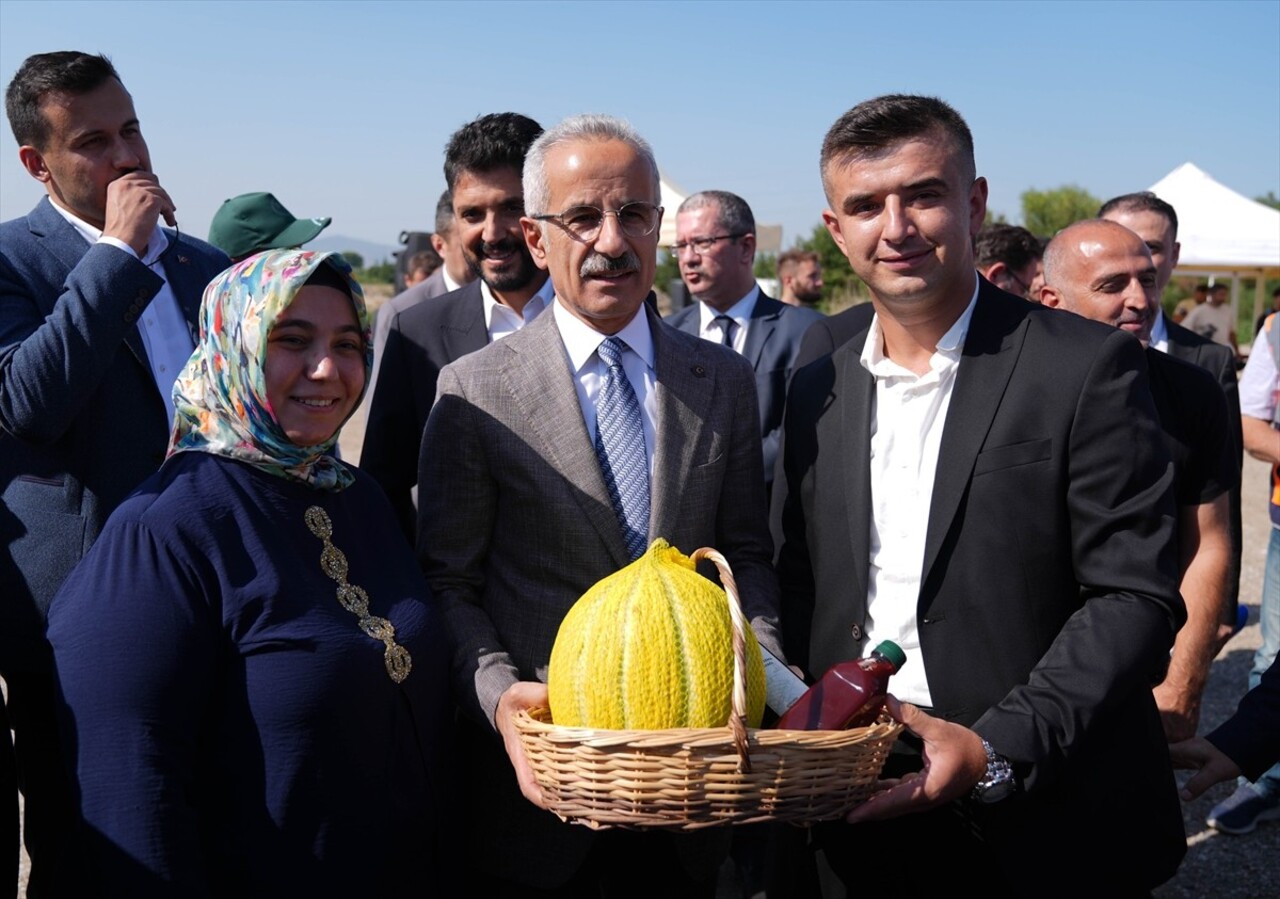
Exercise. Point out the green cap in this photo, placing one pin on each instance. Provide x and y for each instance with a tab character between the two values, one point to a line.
893	653
251	223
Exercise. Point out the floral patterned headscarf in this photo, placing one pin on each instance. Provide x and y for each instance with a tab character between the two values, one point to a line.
220	399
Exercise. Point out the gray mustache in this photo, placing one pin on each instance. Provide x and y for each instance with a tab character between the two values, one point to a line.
599	264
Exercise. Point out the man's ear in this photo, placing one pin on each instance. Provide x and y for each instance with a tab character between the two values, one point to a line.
832	222
33	161
1176	254
1050	296
535	240
437	244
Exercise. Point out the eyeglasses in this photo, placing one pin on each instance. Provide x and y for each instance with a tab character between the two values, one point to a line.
1024	289
702	244
585	222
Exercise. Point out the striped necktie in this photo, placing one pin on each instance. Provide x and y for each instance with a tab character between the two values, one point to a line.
620	448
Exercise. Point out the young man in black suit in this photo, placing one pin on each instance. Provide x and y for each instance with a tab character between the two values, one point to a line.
974	476
482	166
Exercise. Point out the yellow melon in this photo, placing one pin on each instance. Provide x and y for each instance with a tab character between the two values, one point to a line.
650	647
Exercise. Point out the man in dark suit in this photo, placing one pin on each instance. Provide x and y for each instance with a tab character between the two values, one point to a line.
974	476
716	248
482	166
519	517
1103	271
97	307
1156	222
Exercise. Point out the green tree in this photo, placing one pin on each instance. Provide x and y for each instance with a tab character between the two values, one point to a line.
1269	200
766	265
354	259
1046	212
667	271
383	272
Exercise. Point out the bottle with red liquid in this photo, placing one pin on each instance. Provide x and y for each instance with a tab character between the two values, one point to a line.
850	694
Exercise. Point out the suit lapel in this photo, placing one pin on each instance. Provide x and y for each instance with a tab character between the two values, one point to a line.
764	319
685	390
991	350
187	287
68	246
464	330
539	379
855	406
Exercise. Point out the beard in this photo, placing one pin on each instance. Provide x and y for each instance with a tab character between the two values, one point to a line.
516	276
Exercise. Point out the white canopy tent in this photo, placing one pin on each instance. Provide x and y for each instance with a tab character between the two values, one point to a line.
1222	232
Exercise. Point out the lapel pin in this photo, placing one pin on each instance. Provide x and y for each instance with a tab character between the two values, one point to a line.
183	260
699	371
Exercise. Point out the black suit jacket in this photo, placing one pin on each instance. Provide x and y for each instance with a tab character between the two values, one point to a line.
422	340
1048	600
771	346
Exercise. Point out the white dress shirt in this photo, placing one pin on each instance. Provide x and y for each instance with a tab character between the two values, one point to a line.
740	312
581	342
909	415
503	321
164	330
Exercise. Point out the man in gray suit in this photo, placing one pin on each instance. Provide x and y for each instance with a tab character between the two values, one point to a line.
521	511
716	248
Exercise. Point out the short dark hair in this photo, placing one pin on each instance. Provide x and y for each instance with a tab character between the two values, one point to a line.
62	72
732	211
790	260
1142	201
883	122
425	261
1016	247
1221	285
444	213
1203	285
498	140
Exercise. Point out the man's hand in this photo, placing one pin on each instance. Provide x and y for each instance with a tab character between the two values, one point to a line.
954	762
1211	764
135	203
1179	711
521	695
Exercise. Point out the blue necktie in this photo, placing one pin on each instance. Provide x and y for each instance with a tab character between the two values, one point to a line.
620	449
728	324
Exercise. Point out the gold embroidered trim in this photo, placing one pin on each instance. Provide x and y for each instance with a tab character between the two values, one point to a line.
334	563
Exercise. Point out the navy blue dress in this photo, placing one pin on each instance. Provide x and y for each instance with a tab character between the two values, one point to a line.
234	732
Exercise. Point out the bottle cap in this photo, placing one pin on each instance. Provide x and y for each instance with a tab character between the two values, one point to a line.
893	653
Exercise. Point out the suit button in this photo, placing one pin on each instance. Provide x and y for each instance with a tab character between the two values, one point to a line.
855	631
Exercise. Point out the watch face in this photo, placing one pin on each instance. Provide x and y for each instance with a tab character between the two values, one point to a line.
997	791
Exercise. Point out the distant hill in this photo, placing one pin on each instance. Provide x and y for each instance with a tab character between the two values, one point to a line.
373	253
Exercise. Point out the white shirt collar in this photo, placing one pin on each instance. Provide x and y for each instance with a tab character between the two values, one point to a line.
1159	333
581	340
740	311
158	243
502	320
948	351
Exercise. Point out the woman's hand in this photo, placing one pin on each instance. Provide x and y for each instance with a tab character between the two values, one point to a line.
521	695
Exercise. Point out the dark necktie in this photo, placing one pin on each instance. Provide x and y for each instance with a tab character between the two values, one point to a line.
620	449
728	325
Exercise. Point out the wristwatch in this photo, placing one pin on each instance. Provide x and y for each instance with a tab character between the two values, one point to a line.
998	782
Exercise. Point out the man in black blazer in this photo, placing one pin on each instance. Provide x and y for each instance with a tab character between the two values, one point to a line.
982	480
482	166
1104	271
1156	222
98	305
716	248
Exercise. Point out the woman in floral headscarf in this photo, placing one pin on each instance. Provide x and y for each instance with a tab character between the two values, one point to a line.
253	674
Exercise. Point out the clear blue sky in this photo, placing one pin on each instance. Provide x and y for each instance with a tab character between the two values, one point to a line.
343	109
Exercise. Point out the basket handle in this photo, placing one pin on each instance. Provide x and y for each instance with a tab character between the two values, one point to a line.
738	701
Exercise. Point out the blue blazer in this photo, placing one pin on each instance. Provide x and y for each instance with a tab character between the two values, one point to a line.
772	347
81	421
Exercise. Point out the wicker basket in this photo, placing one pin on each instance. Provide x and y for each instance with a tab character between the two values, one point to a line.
690	778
